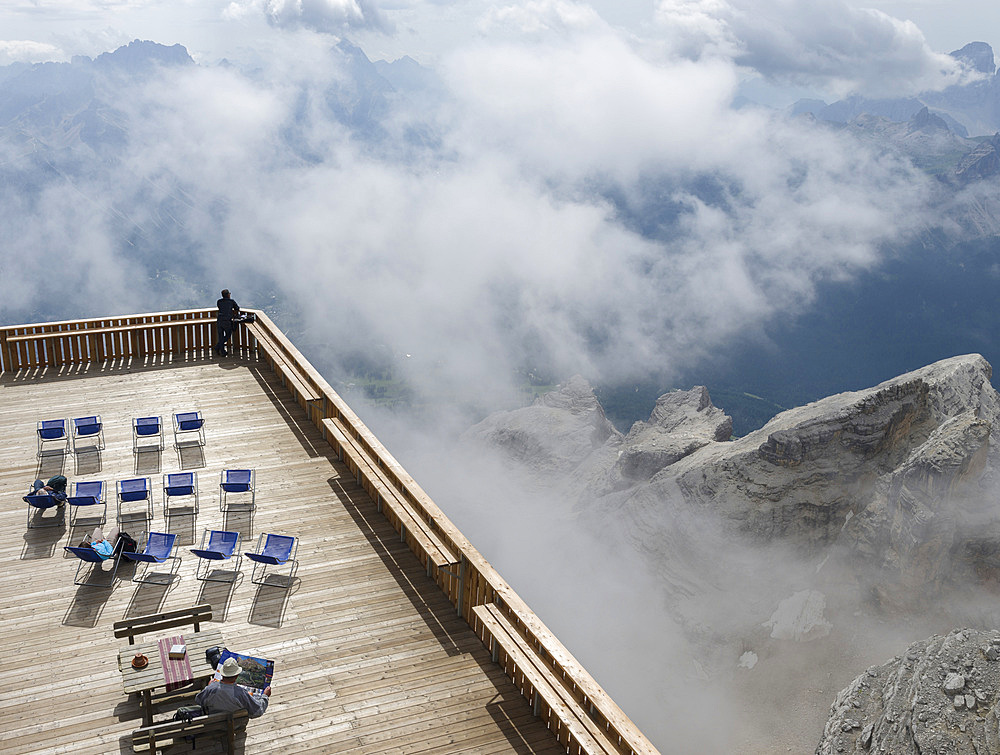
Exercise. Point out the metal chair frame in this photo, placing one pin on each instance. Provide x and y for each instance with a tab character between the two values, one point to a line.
179	485
40	503
186	423
145	428
87	494
88	427
207	553
88	555
163	545
52	431
128	492
237	481
271	551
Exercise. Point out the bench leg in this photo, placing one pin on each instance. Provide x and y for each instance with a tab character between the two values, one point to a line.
147	708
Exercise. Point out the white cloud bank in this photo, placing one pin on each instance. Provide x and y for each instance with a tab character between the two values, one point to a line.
327	16
827	44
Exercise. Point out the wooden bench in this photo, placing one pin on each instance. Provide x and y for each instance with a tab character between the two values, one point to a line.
160	736
410	521
563	713
156	622
284	367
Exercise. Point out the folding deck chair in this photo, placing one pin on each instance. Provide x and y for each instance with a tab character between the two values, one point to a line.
189	424
52	432
135	489
147	434
37	505
180	488
89	431
87	496
217	545
88	555
159	546
276	551
238	481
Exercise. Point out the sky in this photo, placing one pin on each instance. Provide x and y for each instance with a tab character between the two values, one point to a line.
423	29
523	224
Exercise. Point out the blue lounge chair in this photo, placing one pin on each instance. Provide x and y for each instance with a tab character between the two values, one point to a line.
89	432
275	551
239	482
132	490
37	505
180	488
87	496
189	424
157	551
88	556
52	437
217	545
147	434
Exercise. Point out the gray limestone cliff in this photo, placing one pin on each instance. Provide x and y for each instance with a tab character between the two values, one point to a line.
897	474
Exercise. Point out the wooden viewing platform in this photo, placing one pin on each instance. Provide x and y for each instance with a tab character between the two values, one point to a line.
396	636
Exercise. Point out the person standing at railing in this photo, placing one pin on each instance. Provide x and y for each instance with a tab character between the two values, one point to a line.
229	310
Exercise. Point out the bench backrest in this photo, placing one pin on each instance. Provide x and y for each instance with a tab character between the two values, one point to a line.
158	621
160	736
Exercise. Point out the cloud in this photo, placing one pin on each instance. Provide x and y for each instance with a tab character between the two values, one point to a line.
28	51
326	16
826	43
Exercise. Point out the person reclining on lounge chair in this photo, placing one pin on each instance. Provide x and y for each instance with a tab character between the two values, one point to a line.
228	697
55	488
104	546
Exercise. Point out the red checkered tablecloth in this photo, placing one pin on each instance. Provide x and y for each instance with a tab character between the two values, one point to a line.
176	672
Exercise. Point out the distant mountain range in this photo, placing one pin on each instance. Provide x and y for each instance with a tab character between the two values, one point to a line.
968	109
931	298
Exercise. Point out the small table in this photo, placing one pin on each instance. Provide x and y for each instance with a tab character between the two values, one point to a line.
150	677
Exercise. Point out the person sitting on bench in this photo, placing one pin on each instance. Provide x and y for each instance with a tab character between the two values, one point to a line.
228	697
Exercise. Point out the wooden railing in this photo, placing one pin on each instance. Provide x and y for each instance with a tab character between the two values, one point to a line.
468	579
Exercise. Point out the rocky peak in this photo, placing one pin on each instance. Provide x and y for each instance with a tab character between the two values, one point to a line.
925	120
982	162
680	423
978	55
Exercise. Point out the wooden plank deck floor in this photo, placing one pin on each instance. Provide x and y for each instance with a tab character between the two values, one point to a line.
370	656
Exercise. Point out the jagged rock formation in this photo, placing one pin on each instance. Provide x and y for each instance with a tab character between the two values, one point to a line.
982	162
940	696
553	436
681	423
890	474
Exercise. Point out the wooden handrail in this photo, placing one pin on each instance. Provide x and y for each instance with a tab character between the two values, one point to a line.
477	583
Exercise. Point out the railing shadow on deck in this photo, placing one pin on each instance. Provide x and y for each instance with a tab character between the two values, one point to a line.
265	378
398	559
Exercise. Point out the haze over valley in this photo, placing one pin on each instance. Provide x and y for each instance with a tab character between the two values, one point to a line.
601	277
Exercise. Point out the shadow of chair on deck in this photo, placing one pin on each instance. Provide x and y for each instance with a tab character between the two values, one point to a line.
41	542
270	601
148	598
219	595
88	462
190	457
406	569
86	607
50	465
